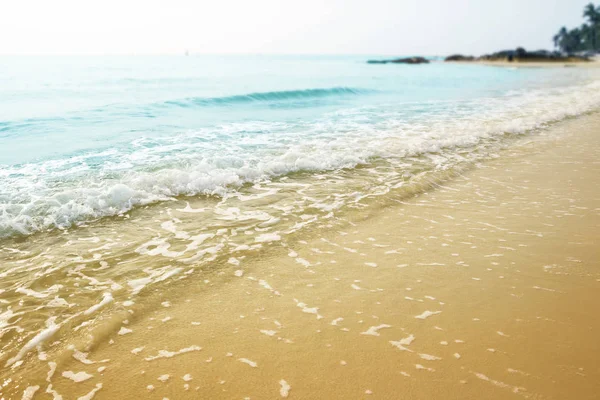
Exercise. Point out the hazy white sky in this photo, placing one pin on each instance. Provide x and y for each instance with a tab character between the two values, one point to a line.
277	26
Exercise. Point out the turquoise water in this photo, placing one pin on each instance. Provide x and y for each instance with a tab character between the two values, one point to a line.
86	137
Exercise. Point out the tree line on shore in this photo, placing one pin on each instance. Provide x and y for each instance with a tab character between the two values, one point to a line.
583	38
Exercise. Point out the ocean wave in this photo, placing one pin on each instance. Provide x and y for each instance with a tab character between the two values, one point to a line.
119	111
268	97
217	161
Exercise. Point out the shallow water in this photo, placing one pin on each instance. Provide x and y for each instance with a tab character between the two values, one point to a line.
89	137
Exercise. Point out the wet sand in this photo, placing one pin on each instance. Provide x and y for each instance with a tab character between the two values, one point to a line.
486	287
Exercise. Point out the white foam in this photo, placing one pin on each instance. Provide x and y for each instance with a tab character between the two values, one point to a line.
403	342
429	357
92	393
268	237
124	331
52	366
308	310
249	362
54	393
163	174
427	314
373	331
41	337
169	354
284	391
29	392
106	298
77	376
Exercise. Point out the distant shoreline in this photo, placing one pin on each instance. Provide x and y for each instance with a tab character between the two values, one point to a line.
595	63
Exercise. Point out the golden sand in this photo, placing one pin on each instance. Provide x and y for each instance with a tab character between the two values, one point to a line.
486	287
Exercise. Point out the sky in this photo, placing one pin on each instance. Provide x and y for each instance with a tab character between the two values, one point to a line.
400	27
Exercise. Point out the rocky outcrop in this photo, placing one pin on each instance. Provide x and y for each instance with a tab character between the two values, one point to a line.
408	60
459	57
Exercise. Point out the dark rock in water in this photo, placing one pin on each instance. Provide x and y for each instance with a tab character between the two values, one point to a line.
459	57
409	60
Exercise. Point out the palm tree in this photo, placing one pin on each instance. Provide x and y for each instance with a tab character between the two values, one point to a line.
593	17
560	38
587	35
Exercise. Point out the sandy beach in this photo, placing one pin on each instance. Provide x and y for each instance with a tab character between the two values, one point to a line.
484	285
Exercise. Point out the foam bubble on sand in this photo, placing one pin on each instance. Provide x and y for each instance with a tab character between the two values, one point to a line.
106	298
91	394
444	343
101	369
233	261
403	342
308	310
124	331
249	362
51	329
189	209
166	304
502	334
239	273
169	354
336	321
150	388
427	314
419	366
82	357
137	350
164	378
29	392
516	371
268	332
373	331
542	288
54	393
77	377
284	391
355	286
368	391
371	264
187	377
52	366
303	262
38	295
456	355
494	382
268	237
128	303
429	357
